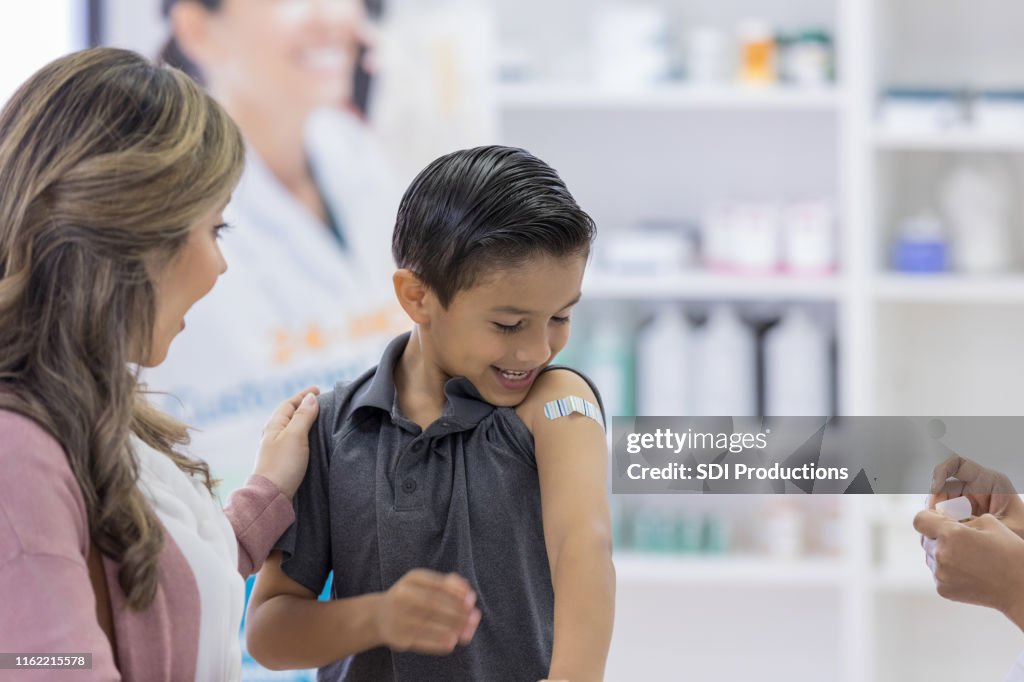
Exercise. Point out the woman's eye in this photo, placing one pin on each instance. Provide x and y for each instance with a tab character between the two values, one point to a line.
509	328
218	230
560	320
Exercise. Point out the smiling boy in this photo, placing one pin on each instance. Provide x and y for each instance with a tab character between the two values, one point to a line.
458	489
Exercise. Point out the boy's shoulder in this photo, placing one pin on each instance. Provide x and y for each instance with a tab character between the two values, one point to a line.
375	388
341	405
557	383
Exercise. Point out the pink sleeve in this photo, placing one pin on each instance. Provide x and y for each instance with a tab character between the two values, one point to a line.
49	608
260	514
48	602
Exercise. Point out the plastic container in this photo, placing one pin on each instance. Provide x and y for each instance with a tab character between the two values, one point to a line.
921	246
707	56
797	367
999	112
757	53
608	359
725	369
631	46
807	58
809	238
782	530
663	350
756	238
921	111
976	204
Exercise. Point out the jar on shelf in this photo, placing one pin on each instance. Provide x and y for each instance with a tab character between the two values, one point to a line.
757	53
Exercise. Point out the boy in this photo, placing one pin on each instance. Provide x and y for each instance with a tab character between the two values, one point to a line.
457	490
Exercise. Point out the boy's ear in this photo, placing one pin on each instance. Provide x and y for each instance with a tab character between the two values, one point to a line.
412	295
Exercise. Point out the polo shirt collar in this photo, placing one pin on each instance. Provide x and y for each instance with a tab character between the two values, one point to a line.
464	406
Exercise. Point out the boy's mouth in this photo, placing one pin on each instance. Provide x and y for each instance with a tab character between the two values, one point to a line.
514	379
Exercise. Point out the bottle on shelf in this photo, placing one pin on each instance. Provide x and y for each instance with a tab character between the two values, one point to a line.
921	245
757	238
782	529
707	56
631	46
663	351
797	367
809	238
757	53
608	360
976	202
725	368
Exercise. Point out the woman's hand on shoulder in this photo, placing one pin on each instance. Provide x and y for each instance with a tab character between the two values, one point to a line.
284	448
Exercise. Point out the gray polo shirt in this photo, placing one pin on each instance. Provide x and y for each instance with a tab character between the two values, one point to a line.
383	496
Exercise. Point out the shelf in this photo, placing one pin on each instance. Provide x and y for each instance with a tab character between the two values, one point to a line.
698	285
949	141
950	288
699	571
667	97
903	580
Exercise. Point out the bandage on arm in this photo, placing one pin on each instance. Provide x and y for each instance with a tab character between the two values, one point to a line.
563	407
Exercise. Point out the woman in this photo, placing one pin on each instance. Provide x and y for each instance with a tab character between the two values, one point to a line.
308	299
115	173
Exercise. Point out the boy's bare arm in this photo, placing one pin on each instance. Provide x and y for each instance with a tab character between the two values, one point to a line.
572	465
287	628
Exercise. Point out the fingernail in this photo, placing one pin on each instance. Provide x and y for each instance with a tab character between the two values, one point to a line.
470	598
309	400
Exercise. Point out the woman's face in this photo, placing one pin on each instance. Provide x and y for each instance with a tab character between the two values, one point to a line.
184	279
296	52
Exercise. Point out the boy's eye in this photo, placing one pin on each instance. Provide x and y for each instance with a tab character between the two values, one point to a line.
509	328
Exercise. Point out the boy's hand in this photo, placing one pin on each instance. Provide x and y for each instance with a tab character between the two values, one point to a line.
989	491
284	448
428	612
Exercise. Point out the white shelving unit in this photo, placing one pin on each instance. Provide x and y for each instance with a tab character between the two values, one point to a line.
669	97
951	141
666	151
750	570
950	289
711	286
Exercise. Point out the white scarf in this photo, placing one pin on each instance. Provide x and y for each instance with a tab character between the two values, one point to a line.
197	524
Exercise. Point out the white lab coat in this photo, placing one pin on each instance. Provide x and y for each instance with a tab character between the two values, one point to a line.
294	308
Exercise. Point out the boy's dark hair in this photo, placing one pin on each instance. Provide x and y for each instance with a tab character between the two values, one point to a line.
483	209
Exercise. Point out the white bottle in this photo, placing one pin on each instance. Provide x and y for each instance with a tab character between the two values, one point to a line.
782	529
662	354
756	238
707	56
725	370
976	201
608	362
797	367
809	243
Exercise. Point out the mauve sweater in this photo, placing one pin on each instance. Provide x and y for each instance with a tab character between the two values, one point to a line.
47	605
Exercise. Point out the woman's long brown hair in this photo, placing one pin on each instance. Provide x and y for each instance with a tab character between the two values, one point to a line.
106	161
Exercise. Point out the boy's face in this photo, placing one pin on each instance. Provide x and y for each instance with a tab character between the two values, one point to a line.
501	332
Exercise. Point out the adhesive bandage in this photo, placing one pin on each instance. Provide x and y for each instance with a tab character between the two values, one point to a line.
563	407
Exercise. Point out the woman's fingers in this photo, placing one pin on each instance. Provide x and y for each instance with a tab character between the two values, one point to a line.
282	416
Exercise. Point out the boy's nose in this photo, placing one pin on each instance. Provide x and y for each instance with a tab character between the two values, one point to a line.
534	354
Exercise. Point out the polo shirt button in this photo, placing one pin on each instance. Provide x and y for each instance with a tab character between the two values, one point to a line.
417	446
409	486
